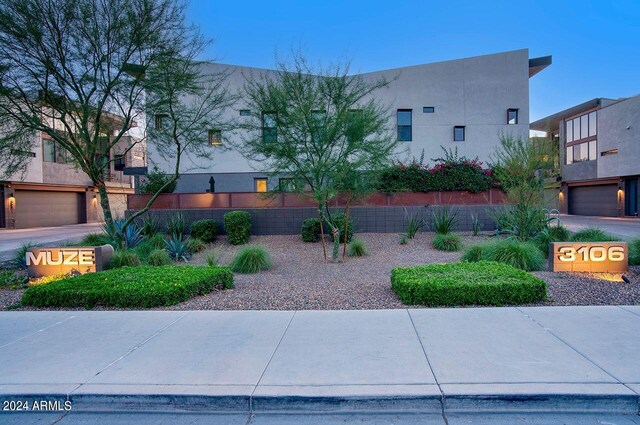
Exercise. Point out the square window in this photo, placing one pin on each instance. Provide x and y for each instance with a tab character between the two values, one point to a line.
512	116
428	109
459	133
260	185
404	125
215	137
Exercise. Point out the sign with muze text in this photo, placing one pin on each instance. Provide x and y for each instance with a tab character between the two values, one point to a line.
596	257
50	261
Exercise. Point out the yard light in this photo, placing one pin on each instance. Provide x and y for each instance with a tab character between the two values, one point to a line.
12	201
94	201
626	279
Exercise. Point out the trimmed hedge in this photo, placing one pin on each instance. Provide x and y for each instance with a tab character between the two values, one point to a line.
205	230
456	284
237	224
130	287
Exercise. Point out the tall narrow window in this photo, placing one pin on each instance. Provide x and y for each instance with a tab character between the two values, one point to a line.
404	125
269	127
318	122
459	133
569	128
119	162
260	185
593	150
593	123
215	137
512	116
569	158
159	121
49	150
584	126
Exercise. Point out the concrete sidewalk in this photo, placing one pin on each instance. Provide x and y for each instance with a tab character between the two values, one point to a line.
427	365
12	239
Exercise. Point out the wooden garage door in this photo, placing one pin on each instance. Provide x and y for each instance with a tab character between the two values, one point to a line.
594	200
36	208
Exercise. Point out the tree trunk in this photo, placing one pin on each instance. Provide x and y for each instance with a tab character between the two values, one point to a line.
346	224
324	248
104	203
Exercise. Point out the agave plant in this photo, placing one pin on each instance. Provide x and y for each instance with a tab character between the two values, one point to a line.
150	225
129	238
178	248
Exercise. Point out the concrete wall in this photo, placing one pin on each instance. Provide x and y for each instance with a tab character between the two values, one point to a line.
288	221
619	128
474	92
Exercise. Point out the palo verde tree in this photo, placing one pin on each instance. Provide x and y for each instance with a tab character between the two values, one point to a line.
317	126
76	71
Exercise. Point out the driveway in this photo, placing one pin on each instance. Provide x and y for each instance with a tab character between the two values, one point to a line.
625	228
11	239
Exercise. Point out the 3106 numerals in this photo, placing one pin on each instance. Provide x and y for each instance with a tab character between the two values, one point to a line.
593	253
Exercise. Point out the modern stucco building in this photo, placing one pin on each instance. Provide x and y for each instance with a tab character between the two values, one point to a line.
463	104
55	192
599	156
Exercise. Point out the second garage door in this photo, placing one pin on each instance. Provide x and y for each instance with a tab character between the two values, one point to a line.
594	200
39	208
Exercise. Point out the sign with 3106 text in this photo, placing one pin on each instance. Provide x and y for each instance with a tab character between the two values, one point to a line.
596	257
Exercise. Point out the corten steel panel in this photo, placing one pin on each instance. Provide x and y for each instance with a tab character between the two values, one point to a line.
52	261
414	198
204	200
594	200
465	198
255	200
42	208
595	257
298	200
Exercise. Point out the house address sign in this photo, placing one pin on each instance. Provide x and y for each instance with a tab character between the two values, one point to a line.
50	261
597	257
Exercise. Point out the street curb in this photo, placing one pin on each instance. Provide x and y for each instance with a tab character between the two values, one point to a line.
627	404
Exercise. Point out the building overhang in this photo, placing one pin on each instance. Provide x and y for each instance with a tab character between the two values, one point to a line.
538	64
552	122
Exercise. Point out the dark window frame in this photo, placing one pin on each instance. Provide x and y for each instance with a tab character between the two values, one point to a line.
428	109
158	121
211	139
255	184
402	137
119	162
245	112
464	133
270	133
517	116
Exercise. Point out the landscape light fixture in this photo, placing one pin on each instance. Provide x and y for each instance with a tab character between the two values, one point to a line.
626	279
12	200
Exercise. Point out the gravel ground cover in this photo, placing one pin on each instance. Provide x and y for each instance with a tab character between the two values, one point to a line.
299	278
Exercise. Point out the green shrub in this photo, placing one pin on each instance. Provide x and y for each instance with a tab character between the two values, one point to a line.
150	225
94	239
156	240
117	235
447	242
212	258
205	230
237	225
444	219
159	257
156	180
592	234
404	239
522	255
251	259
474	253
634	252
339	221
521	221
195	245
124	258
463	283
356	248
548	235
475	224
11	279
413	222
311	230
178	248
130	287
176	226
143	250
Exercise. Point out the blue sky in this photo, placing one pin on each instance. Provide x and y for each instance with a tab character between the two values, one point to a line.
595	44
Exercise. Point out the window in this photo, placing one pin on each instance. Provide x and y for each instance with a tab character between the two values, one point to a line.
428	109
404	125
49	150
354	125
245	112
119	162
569	158
609	152
512	116
269	127
20	152
593	123
576	129
318	121
459	133
215	137
584	126
593	152
159	121
260	185
569	131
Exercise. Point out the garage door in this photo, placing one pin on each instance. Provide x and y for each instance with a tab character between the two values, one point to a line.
36	208
594	200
